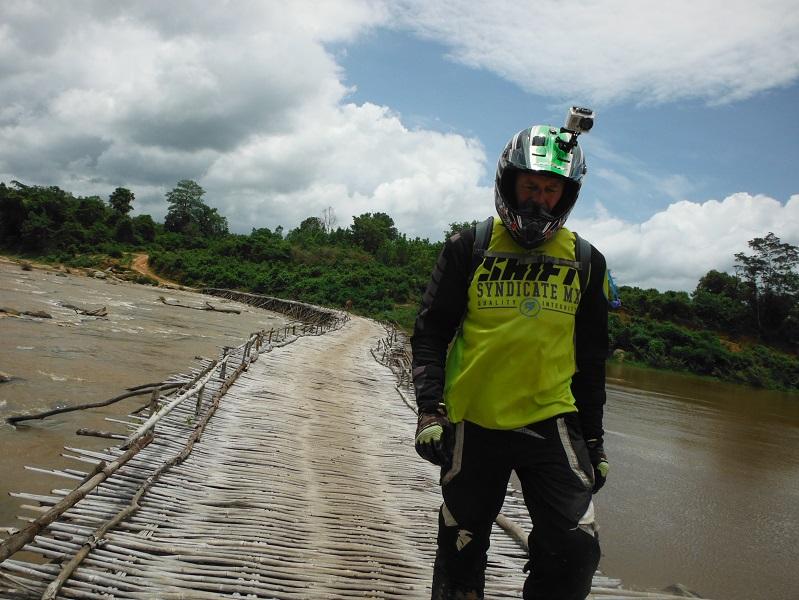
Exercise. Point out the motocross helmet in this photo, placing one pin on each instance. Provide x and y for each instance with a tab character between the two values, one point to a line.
547	151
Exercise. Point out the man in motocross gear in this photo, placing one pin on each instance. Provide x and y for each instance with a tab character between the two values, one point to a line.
522	386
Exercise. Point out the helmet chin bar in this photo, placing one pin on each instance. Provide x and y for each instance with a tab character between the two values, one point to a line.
534	211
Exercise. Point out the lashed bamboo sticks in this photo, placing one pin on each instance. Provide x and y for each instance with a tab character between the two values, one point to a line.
18	540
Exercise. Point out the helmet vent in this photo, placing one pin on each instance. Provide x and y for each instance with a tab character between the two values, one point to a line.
539	140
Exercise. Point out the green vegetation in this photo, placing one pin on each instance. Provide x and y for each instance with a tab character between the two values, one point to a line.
742	327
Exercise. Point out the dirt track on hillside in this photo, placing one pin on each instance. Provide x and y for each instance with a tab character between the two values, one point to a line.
141	264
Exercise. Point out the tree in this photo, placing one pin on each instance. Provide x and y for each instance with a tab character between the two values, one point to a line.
458	227
12	214
185	202
772	284
210	222
121	200
124	230
90	210
310	232
772	267
188	214
717	282
370	231
328	219
719	303
144	228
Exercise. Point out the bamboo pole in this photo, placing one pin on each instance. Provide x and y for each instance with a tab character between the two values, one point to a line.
68	568
150	423
18	540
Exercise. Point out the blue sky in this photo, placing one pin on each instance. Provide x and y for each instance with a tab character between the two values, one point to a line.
750	145
283	110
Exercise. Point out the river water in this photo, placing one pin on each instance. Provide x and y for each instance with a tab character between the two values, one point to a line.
72	359
703	487
704	481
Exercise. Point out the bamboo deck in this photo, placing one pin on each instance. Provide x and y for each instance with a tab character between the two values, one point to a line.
302	484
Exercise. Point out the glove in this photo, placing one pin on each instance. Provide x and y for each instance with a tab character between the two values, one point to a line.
434	436
599	460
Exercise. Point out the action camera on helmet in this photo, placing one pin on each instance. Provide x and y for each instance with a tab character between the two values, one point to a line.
579	120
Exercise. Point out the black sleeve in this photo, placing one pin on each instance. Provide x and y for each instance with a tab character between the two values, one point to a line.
591	331
440	314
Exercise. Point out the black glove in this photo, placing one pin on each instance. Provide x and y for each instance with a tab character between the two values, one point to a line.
600	462
433	439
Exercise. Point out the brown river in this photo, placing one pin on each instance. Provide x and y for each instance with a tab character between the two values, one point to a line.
704	481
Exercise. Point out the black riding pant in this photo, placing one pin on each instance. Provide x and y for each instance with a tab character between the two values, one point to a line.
552	463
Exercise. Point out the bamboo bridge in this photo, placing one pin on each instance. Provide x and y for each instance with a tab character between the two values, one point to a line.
281	470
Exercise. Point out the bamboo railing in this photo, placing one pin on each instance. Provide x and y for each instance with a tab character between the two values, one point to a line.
117	472
300	311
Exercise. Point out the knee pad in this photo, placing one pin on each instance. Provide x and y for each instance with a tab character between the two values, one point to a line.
461	556
562	563
570	546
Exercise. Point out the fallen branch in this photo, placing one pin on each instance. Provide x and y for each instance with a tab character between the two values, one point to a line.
208	306
97	312
30	313
101	434
16	419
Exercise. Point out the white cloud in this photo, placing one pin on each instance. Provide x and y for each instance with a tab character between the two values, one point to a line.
611	50
356	159
247	102
677	246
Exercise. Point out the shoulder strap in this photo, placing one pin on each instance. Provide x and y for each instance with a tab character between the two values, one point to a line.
482	238
582	255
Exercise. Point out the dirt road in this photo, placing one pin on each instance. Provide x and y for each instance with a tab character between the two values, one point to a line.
141	264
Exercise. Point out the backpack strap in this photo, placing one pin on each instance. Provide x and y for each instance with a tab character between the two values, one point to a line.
482	238
582	255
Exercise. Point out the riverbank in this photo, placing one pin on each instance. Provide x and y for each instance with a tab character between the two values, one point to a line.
688	376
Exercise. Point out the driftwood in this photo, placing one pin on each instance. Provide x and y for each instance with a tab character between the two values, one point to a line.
40	314
138	392
208	306
97	312
30	313
101	434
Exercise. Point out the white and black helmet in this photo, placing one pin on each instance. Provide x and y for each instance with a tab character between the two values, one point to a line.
548	151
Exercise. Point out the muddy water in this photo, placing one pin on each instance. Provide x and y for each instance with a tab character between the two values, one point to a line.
72	359
704	486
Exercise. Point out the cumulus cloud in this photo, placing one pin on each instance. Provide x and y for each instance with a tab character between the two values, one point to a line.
611	50
677	246
356	159
248	102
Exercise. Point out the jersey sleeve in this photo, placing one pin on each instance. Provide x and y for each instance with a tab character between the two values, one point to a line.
591	333
440	314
